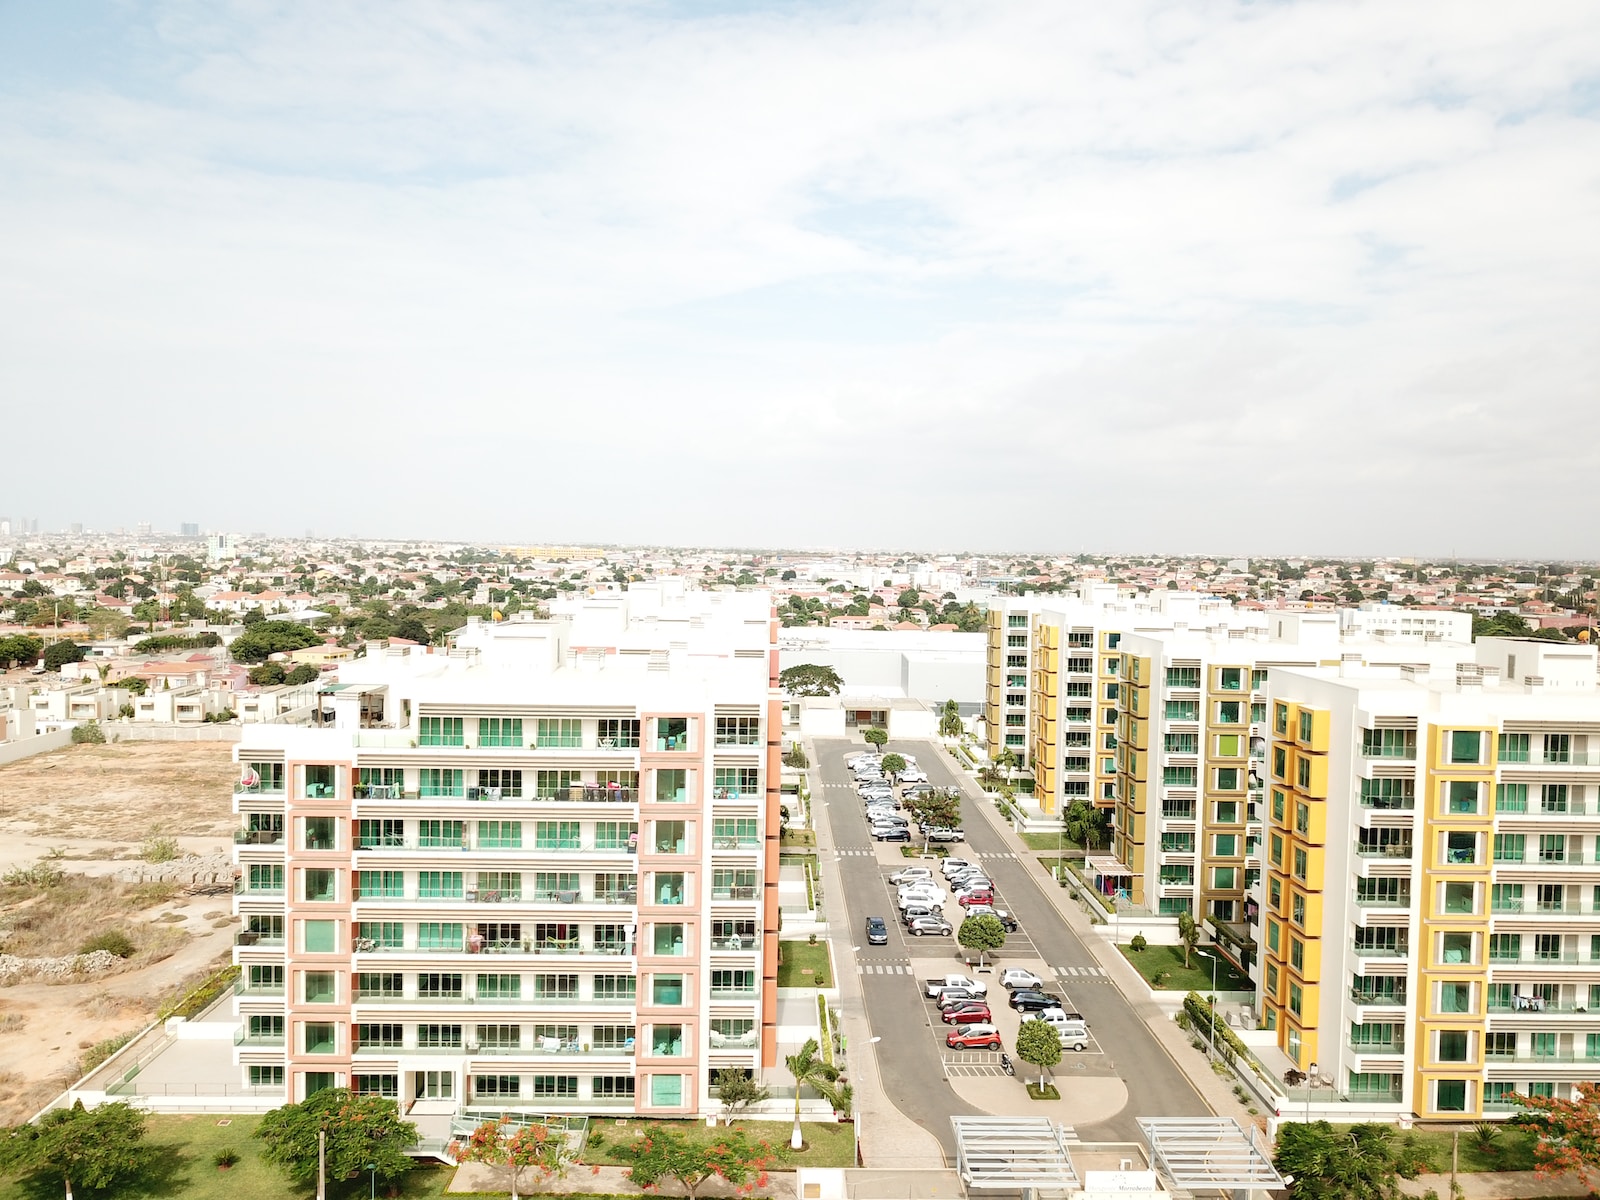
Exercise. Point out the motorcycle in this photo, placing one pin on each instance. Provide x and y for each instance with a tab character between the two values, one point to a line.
1006	1064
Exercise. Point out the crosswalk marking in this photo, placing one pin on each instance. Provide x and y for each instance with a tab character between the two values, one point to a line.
882	969
1069	972
856	852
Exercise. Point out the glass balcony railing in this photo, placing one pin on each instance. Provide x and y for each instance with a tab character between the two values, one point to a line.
1403	900
1384	999
1399	850
1381	950
245	1038
258	837
251	937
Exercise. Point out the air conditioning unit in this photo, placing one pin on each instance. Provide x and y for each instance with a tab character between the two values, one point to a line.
473	793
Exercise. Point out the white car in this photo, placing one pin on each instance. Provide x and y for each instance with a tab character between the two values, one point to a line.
952	866
1018	977
908	874
912	775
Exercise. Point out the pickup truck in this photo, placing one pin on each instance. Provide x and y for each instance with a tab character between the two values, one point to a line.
934	986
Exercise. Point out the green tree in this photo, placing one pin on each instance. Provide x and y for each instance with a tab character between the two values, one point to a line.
413	630
1359	1162
787	576
984	934
261	641
254	617
938	809
875	737
950	720
668	1153
361	1130
910	598
59	654
893	764
92	1148
20	649
1188	934
519	1147
738	1090
304	673
810	679
1038	1043
1085	824
268	674
810	1070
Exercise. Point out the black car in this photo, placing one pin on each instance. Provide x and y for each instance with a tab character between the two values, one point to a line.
897	833
877	932
1030	1000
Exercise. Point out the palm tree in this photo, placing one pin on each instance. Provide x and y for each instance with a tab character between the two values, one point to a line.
810	1070
1188	934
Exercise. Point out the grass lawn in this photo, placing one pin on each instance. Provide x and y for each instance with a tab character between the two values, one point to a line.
826	1144
1155	960
182	1166
797	837
797	957
1513	1149
1049	841
915	851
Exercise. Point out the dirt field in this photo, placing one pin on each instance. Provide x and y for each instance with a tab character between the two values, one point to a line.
86	810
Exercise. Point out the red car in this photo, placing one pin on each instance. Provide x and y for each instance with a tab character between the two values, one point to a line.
967	1014
984	898
973	1037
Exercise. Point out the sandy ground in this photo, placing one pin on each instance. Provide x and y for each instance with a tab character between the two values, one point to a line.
95	805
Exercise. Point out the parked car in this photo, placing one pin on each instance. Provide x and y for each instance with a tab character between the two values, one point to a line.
971	883
912	911
907	874
921	926
877	932
973	1037
1019	977
912	775
953	866
944	834
971	1012
891	833
950	997
940	984
984	898
1007	921
1070	1028
1033	1000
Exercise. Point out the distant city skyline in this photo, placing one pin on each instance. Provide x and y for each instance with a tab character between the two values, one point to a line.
1234	279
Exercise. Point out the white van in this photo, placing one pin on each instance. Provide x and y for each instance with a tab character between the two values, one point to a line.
1073	1031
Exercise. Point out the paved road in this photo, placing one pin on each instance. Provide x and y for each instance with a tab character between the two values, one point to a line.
911	1065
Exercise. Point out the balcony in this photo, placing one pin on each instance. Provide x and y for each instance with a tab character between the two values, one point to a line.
258	789
1381	950
1550	758
257	1040
1545	908
1391	1047
247	887
737	993
1399	851
251	937
1401	901
1534	959
243	988
1536	1004
736	843
739	941
258	837
735	893
1391	999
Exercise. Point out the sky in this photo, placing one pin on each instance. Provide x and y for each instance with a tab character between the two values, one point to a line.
1205	277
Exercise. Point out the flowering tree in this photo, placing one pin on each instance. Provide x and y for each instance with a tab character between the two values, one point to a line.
1568	1131
504	1144
666	1153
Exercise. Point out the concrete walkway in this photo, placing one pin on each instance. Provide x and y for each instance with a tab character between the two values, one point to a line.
1495	1185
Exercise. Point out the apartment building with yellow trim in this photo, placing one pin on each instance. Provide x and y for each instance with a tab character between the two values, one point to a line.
1430	907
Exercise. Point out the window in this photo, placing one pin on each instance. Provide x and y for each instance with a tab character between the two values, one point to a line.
1300	863
437	781
441	731
1466	746
1460	898
668	939
438	1037
502	1087
621	733
500	731
666	1090
507	835
1183	710
1277	805
1016	641
380	1036
1280	719
321	781
1181	743
672	787
1462	796
1455	997
556	1087
1297	953
1230	745
320	833
1225	845
670	837
1510	847
1513	748
1389	743
1274	933
1296	999
669	887
320	883
1456	948
1171	906
1224	878
321	1037
1552	847
1229	712
266	1077
1302	818
1183	677
318	936
1297	907
1180	776
1177	875
1388	793
439	885
1450	1095
1230	679
499	987
1460	847
1452	1046
560	732
1258	679
736	982
1557	748
613	1087
506	783
439	985
440	935
1229	779
1178	843
1511	797
1275	849
746	781
1506	897
1553	798
376	1085
738	731
389	832
614	988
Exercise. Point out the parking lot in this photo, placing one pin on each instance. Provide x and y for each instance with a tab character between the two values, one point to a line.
915	1065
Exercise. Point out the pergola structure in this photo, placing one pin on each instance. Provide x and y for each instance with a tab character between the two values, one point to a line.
1208	1154
1013	1154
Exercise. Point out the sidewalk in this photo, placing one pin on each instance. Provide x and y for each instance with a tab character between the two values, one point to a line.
888	1138
1498	1185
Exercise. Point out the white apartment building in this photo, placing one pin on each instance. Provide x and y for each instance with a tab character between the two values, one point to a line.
535	871
1431	901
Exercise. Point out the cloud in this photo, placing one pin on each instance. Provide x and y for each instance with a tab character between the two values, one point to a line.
1265	275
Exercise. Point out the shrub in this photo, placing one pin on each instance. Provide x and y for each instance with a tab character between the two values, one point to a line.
40	875
100	1051
1137	943
111	940
1485	1134
160	849
225	1158
88	733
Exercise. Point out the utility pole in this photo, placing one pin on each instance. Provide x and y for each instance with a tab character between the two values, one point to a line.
322	1164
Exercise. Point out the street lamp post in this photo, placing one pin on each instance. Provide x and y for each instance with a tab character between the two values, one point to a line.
373	1167
1311	1074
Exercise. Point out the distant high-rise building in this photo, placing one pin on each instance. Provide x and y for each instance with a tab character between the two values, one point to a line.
77	528
5	526
189	529
144	529
219	546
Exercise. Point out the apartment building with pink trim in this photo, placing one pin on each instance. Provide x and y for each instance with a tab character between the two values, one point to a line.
536	869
